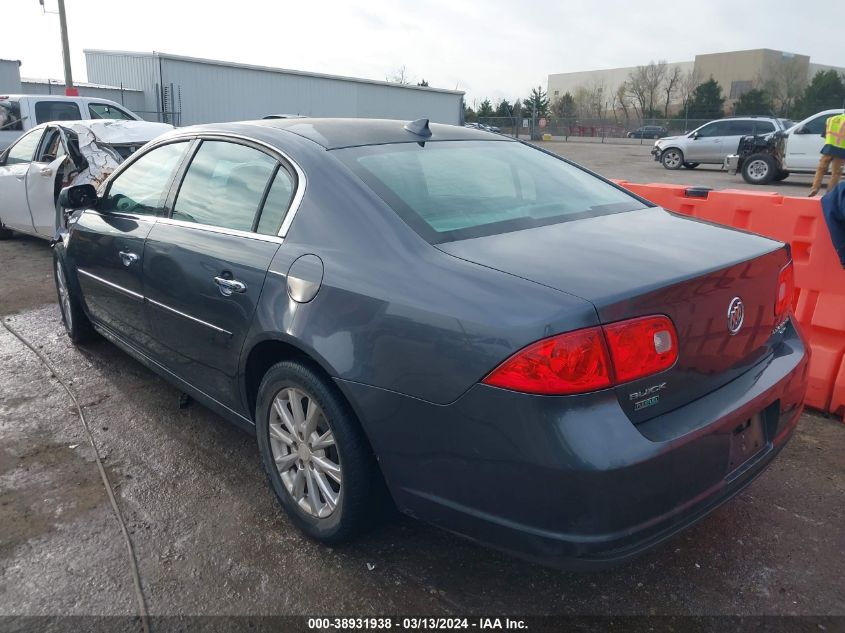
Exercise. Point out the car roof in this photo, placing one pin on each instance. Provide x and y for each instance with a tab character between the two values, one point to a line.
333	133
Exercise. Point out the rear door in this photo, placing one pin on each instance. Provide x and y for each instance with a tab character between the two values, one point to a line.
205	265
107	244
734	130
14	207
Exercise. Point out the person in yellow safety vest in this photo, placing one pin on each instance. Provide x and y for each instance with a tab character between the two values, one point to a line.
833	153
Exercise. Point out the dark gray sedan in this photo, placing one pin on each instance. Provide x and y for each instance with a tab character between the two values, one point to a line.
497	340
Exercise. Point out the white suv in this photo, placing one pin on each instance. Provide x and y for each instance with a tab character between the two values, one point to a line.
712	142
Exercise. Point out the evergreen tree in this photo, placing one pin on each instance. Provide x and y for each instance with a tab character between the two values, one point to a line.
707	101
825	91
754	102
538	102
485	110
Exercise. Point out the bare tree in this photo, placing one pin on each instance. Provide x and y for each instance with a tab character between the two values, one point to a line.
645	83
785	83
670	87
686	88
597	101
582	100
621	101
399	76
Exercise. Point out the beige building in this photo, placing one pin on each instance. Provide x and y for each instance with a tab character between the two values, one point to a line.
736	71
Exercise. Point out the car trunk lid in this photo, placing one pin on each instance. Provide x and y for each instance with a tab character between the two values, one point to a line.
653	262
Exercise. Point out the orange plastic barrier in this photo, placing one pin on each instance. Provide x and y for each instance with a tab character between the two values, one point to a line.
819	300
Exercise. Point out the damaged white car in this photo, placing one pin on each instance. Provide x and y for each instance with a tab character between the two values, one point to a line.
55	155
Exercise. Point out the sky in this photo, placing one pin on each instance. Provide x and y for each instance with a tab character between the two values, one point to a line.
492	49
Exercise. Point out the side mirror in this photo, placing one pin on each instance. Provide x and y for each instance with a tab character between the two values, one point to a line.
800	130
78	197
694	136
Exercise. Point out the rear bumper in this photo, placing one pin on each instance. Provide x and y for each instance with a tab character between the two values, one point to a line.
570	481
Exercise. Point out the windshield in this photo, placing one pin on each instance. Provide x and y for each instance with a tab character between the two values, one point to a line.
453	190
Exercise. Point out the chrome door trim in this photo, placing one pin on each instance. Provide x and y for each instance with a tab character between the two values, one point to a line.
114	286
125	216
188	316
301	179
224	231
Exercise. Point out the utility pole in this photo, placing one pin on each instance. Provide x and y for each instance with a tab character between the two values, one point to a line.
70	90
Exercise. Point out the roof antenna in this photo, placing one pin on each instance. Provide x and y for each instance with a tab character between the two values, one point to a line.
418	127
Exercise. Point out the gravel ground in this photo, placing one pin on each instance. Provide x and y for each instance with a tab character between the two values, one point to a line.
210	538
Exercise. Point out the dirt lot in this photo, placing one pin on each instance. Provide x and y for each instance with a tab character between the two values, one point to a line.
210	538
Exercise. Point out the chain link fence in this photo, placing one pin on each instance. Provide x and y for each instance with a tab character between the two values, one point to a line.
636	131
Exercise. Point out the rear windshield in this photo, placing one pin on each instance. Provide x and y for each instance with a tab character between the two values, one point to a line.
453	190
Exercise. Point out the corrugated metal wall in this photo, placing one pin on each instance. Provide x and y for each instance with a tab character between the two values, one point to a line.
207	92
132	99
10	76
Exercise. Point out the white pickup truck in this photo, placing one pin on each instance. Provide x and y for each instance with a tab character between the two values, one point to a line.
19	113
762	159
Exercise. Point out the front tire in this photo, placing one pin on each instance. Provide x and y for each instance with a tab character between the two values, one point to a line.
781	175
759	169
672	158
76	322
315	455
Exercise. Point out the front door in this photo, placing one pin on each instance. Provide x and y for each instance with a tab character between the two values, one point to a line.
107	244
43	181
14	207
706	145
803	147
204	267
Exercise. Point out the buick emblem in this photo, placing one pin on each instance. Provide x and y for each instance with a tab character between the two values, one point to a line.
736	315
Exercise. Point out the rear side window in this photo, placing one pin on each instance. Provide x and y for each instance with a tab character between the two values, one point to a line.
24	150
763	127
462	189
740	128
46	111
277	203
106	111
10	116
140	189
224	186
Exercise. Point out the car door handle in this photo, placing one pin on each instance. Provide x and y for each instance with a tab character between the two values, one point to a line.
228	286
128	258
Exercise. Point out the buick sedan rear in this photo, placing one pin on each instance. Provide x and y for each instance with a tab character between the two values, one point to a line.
501	342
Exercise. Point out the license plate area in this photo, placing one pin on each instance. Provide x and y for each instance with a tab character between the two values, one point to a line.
747	440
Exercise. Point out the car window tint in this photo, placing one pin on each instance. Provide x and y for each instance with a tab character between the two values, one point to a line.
106	111
817	125
24	150
140	188
712	129
740	128
763	127
224	185
46	111
464	189
277	203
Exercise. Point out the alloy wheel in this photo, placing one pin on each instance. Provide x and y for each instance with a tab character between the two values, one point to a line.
672	159
304	451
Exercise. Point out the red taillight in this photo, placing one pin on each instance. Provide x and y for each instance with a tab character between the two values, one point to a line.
590	359
785	290
641	347
570	363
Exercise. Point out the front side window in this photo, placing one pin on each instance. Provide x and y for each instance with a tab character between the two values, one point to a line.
51	147
24	150
46	111
717	128
106	111
817	125
224	186
454	190
141	188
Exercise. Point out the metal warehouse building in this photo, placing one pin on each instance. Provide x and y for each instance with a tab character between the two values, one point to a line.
186	90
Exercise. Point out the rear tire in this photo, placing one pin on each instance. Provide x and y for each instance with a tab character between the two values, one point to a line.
759	169
77	325
672	158
324	475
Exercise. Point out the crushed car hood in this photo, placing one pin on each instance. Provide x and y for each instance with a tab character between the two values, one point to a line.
96	139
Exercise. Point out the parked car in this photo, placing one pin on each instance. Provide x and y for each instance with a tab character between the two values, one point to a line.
55	155
649	131
483	126
711	143
19	113
514	348
774	157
